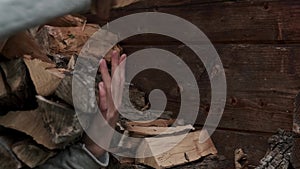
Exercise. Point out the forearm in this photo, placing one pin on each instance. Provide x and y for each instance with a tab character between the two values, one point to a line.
17	15
76	156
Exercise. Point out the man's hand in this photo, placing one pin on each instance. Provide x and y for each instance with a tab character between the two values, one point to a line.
107	105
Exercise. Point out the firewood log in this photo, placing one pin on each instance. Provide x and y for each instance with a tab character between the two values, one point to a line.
65	41
16	91
188	150
45	76
30	123
61	121
31	153
7	158
24	43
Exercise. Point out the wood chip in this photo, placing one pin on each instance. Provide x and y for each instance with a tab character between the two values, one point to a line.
153	131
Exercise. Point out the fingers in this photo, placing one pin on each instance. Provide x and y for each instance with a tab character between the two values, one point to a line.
113	93
114	61
102	97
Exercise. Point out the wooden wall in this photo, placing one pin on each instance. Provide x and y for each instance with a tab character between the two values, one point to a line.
258	42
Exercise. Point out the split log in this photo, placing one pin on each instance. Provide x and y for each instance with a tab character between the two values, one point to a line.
24	43
60	120
240	159
30	123
55	125
8	160
17	91
154	131
280	151
65	41
31	154
188	150
45	76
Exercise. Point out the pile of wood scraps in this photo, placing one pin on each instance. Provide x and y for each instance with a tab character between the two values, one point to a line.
36	72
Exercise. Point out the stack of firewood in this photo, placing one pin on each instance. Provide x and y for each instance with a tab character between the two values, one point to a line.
37	113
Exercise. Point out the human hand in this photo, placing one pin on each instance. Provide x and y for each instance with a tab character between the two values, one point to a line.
108	106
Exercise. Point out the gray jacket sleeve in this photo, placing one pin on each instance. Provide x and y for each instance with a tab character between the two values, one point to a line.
76	157
17	15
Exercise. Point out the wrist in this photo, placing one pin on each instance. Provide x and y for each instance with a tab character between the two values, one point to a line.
92	147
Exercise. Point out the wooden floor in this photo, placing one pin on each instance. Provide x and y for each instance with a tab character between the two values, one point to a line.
259	44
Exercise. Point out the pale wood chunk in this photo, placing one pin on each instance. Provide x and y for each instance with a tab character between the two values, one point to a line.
66	41
188	150
30	123
31	154
45	76
153	131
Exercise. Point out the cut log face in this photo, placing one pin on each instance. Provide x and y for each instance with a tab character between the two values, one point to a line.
66	41
17	91
153	131
67	21
24	43
60	120
23	122
31	154
280	151
44	76
188	150
8	159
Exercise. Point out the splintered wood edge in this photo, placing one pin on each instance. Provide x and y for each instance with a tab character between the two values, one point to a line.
152	131
5	147
45	76
31	154
179	154
19	119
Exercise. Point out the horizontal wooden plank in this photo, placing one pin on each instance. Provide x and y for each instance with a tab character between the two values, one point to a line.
262	81
226	21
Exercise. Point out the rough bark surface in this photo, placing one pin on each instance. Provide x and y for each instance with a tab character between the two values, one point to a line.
280	151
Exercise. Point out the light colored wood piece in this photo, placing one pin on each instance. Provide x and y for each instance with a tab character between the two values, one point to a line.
155	123
153	131
30	123
44	76
188	150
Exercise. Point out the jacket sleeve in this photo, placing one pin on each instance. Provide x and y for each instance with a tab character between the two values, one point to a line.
23	14
76	157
